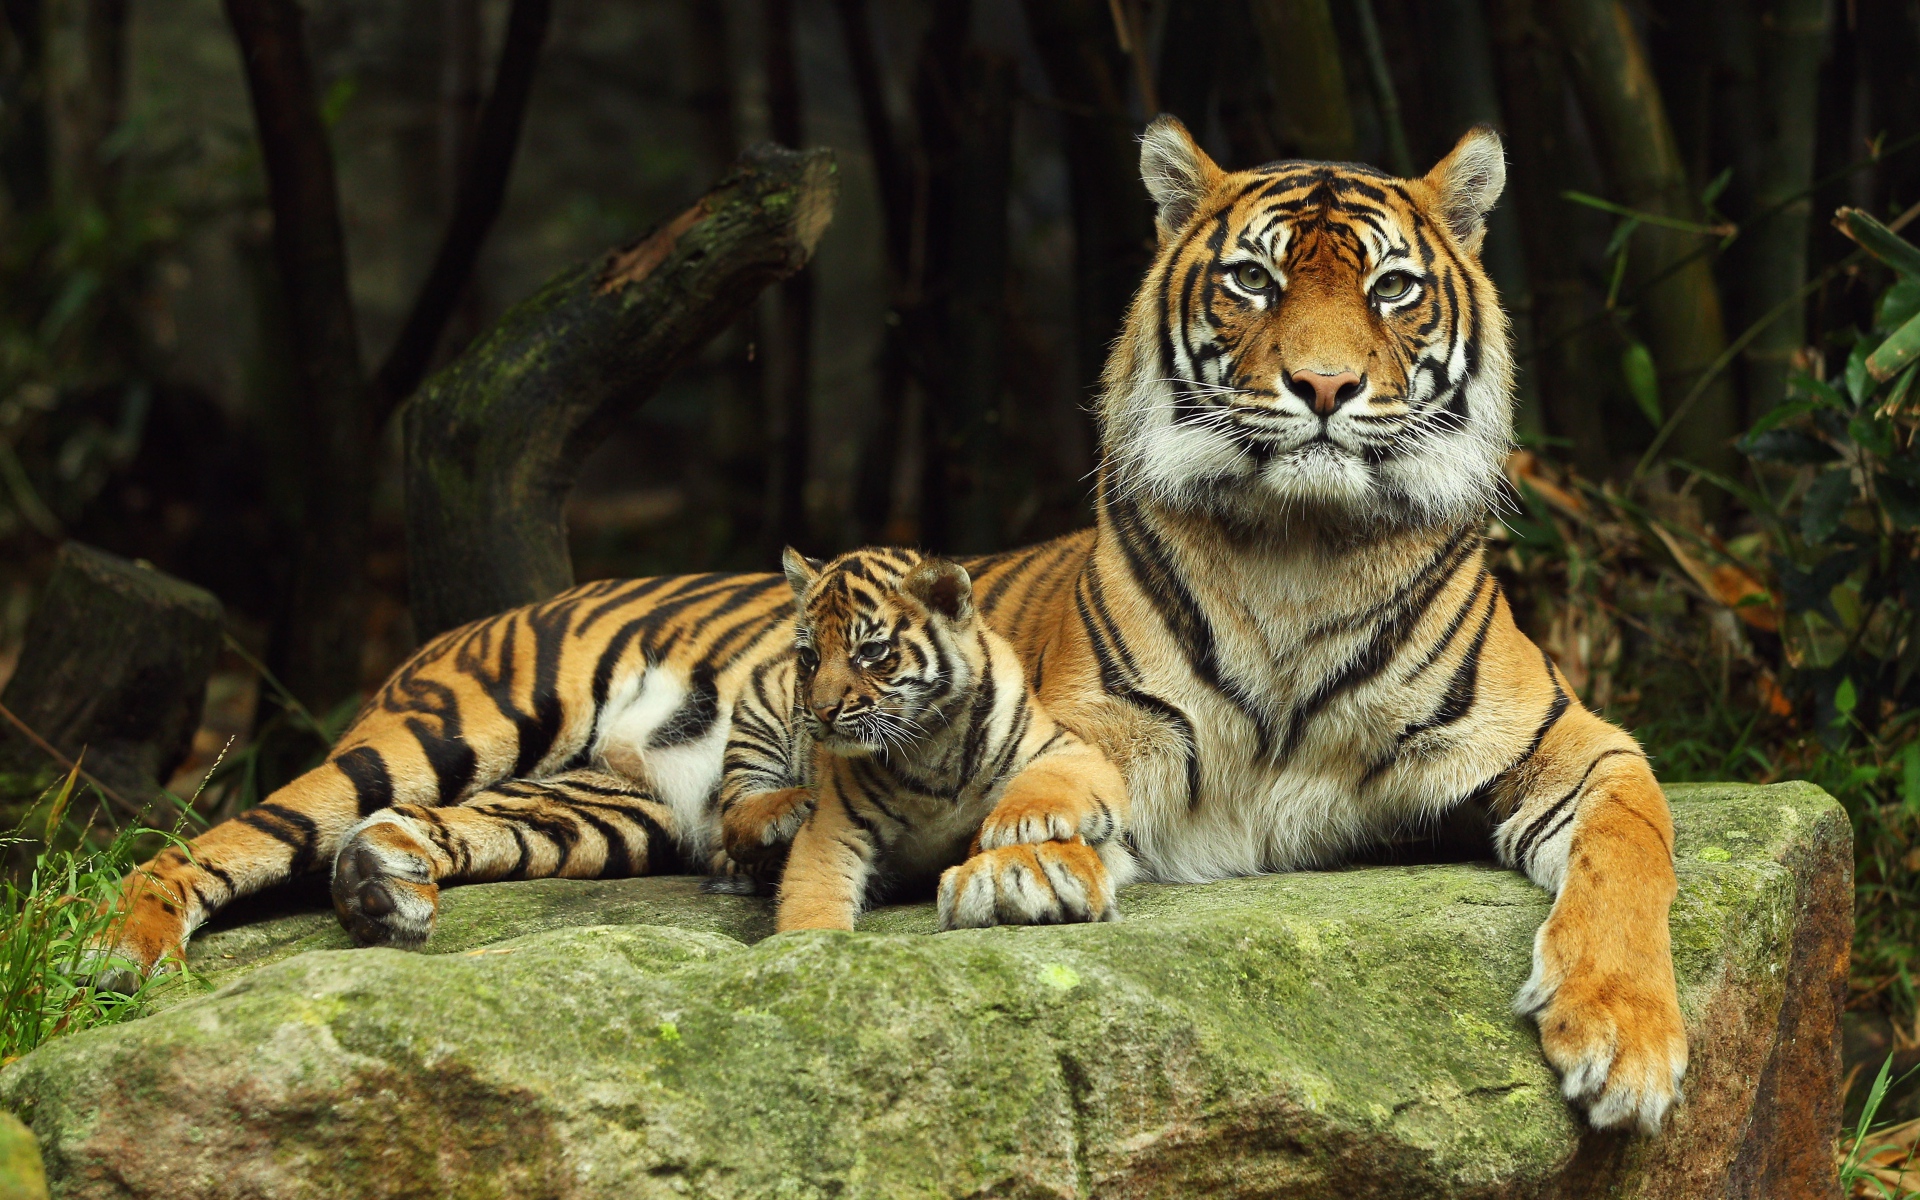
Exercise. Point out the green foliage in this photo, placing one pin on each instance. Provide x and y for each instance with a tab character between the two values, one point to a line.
50	924
1875	1151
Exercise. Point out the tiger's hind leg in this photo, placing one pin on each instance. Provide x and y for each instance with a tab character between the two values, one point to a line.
579	825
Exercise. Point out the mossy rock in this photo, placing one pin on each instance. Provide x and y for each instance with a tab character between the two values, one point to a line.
1317	1034
21	1175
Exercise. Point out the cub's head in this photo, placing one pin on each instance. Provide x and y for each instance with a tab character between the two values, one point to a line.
1314	339
883	644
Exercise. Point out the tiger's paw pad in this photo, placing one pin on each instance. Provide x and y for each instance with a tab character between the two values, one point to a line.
1028	822
1619	1045
1051	883
383	888
761	826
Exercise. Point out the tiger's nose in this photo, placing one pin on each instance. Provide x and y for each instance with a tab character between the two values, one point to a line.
1324	392
825	713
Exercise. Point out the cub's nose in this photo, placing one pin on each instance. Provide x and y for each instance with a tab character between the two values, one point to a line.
825	713
1324	392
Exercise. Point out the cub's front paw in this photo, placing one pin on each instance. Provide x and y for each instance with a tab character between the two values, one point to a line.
1050	883
759	827
1615	1035
383	882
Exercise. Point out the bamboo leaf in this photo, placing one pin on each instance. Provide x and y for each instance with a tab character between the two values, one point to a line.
1826	500
1876	239
1898	304
1621	210
1859	383
1642	380
1787	446
1895	354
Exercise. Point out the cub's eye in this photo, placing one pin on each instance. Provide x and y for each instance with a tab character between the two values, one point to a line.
1253	277
808	659
1392	285
868	653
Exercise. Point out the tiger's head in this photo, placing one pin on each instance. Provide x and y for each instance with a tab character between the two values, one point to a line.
884	647
1313	340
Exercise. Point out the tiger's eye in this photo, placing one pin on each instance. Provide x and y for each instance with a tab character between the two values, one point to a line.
1252	276
808	659
870	652
1393	285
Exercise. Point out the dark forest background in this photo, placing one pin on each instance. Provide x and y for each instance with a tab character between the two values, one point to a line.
235	238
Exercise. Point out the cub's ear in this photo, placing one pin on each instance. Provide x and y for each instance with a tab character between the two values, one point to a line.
801	570
944	587
1177	172
1467	182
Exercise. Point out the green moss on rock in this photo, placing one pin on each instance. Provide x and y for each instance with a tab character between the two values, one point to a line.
1315	1034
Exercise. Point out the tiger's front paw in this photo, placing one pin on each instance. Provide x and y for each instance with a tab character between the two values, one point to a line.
759	827
384	887
1050	883
1029	820
1615	1035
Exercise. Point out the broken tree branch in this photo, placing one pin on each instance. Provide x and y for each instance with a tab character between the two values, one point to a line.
495	440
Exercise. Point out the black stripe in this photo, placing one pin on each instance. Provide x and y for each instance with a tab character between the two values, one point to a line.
294	829
1387	638
372	784
1534	828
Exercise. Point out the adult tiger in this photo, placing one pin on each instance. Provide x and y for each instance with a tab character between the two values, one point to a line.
1281	628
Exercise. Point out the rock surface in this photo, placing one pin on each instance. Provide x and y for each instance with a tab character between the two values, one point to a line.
21	1176
1318	1034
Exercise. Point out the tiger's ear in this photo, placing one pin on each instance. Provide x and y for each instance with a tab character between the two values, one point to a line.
801	570
944	587
1467	182
1177	172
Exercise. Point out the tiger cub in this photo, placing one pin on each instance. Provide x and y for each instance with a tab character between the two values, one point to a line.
926	746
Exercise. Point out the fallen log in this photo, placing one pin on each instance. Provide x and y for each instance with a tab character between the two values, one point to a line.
115	664
495	441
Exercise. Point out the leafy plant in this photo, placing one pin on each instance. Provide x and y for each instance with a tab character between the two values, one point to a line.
1876	1160
49	926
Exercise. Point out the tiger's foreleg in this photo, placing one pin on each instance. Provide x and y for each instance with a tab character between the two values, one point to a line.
1593	829
1045	883
829	869
580	825
1072	790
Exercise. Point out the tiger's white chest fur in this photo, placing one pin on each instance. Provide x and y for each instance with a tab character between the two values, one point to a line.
1324	718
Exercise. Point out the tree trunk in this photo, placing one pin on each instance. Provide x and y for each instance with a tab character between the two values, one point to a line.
86	68
476	206
1470	96
1112	222
316	643
25	158
966	118
495	440
115	664
1302	49
791	394
879	458
1534	99
1792	35
1677	304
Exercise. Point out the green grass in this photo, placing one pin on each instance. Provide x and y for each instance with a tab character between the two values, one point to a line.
1876	1158
51	922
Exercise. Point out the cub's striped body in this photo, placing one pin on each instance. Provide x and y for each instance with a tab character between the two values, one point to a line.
927	745
1281	628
